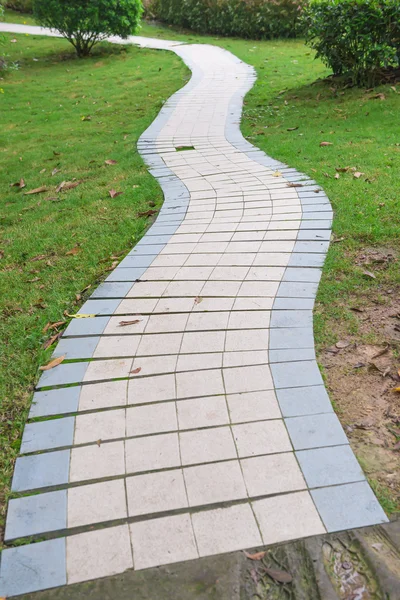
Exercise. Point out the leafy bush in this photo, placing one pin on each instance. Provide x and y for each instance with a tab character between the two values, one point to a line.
24	6
257	19
86	22
355	37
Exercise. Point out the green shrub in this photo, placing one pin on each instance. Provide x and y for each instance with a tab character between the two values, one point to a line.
257	19
86	22
359	38
24	6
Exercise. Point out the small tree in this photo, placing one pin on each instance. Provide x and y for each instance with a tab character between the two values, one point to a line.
86	22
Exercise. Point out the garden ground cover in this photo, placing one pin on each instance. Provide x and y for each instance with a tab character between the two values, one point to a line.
289	112
58	113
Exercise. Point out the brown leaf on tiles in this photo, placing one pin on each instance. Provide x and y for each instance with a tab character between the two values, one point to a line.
295	185
198	299
125	323
325	144
73	252
19	184
279	576
114	193
38	190
98	443
256	556
136	371
53	363
110	161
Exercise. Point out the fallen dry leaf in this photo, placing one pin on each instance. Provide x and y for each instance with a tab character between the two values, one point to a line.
125	323
369	274
342	344
42	171
277	174
292	129
279	576
67	185
342	169
357	174
19	184
73	252
256	556
54	171
87	118
38	257
98	443
396	389
378	97
337	176
295	185
51	340
325	144
38	190
114	193
148	213
110	161
198	299
135	371
53	363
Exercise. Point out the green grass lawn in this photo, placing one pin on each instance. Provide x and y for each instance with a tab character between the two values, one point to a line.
290	110
118	92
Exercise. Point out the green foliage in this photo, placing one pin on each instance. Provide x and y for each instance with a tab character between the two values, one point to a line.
86	22
355	37
256	19
24	6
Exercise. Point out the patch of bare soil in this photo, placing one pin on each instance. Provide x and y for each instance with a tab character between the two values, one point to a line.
362	379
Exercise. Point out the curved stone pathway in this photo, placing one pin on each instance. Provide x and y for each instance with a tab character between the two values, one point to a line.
193	419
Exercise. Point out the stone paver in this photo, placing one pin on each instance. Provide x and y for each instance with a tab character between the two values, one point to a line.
203	426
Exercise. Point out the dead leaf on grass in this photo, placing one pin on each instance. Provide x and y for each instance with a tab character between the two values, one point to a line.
67	185
279	576
357	174
148	213
337	176
256	556
114	193
125	323
19	184
342	169
110	161
38	190
292	128
73	252
38	257
325	144
53	363
51	340
379	96
55	171
369	274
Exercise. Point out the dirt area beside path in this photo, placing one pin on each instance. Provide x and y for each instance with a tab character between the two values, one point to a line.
362	378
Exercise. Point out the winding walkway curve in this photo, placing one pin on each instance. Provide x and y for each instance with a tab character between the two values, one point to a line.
203	425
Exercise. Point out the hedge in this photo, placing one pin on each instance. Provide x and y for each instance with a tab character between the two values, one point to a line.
358	38
256	19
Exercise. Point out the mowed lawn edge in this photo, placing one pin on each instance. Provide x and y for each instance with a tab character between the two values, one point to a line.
61	118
